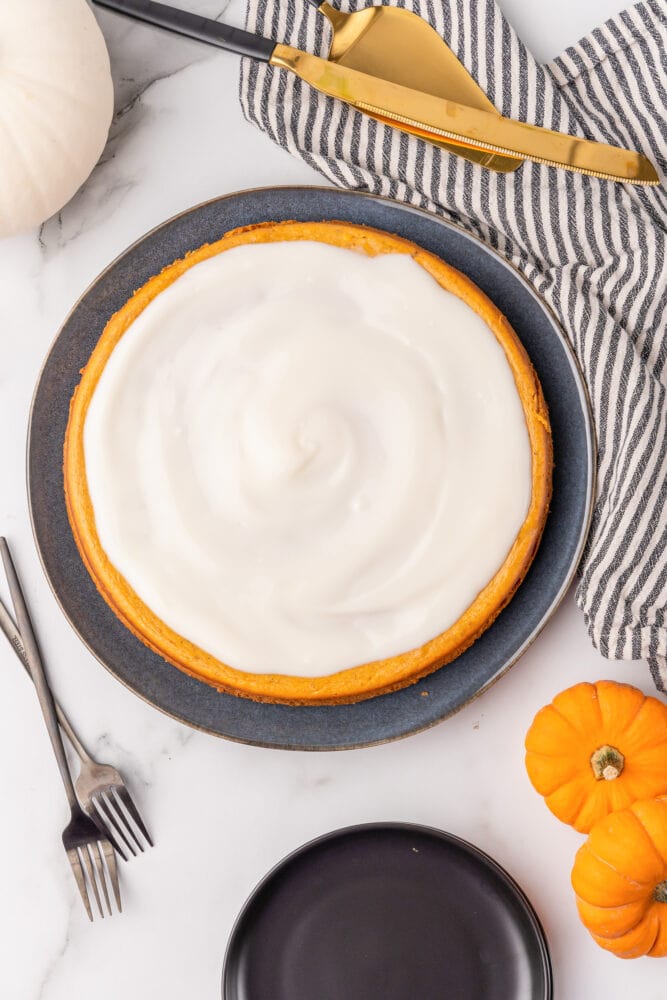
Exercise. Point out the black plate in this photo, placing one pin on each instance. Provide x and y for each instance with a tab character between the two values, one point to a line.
321	728
387	912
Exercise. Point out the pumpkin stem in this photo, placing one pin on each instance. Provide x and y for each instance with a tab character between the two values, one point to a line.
607	763
660	892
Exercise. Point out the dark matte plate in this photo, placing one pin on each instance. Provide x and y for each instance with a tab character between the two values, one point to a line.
320	728
387	912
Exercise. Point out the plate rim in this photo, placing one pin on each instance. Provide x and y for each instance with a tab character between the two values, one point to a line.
591	456
476	852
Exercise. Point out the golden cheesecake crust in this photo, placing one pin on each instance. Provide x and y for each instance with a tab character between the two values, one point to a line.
369	679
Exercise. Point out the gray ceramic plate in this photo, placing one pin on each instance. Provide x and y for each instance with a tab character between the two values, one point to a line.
384	912
380	719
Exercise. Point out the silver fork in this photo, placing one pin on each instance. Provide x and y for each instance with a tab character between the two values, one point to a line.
90	854
100	788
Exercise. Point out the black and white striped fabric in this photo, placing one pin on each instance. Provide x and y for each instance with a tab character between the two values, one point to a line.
595	251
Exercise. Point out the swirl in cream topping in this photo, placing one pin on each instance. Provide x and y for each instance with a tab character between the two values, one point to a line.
303	459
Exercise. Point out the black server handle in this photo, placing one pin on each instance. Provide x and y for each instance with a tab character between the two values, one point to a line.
204	29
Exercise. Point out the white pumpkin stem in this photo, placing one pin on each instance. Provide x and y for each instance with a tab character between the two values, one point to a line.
607	763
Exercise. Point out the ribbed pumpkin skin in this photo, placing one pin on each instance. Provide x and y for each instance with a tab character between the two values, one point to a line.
578	722
56	103
615	876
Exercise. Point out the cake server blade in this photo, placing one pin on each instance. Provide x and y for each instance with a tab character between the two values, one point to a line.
427	116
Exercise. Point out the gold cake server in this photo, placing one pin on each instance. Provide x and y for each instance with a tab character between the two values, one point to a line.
417	112
427	116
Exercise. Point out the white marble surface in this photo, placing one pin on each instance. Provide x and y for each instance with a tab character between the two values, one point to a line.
222	813
547	28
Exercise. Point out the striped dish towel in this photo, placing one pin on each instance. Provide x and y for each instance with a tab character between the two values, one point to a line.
594	251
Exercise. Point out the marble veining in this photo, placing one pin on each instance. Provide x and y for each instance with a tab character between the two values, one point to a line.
222	813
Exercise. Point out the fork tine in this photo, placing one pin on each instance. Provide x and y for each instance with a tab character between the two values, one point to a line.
121	821
110	859
98	861
124	796
110	828
90	872
75	863
123	824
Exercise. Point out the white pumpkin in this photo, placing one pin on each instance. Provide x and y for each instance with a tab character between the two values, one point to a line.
56	103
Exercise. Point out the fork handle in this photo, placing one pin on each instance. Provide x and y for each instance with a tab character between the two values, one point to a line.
69	732
37	673
15	641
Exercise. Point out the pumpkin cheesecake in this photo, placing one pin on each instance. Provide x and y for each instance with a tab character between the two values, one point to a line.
308	463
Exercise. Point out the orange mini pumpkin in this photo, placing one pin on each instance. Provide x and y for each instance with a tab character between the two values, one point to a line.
597	748
620	879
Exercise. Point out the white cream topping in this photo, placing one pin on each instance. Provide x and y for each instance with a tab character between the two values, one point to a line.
303	459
